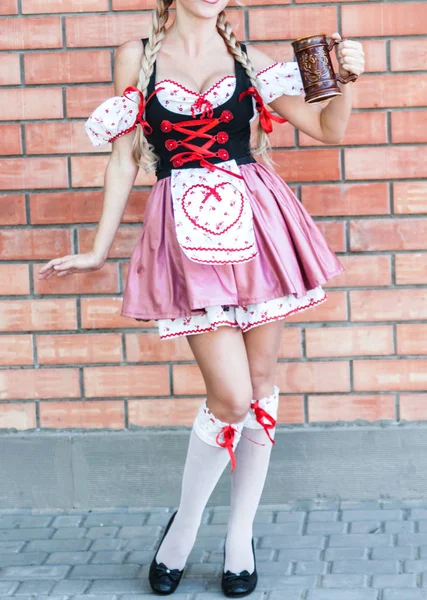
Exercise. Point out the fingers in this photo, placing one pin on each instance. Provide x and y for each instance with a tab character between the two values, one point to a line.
55	261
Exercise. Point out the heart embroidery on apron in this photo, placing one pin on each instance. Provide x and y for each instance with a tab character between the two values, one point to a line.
213	215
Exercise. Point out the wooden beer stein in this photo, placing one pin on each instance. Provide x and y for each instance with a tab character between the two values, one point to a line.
317	72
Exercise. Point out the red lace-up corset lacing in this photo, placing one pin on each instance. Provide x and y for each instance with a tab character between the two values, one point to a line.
203	152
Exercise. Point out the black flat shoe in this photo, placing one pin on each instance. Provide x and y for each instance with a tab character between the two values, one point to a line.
164	581
237	585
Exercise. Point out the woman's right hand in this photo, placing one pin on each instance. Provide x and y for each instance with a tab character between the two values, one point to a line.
72	263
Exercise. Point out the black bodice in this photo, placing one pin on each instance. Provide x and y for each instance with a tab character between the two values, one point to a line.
183	141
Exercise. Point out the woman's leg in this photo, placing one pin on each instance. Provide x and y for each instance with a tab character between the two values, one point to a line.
262	347
221	356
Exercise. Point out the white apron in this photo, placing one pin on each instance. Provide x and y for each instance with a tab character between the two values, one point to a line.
213	215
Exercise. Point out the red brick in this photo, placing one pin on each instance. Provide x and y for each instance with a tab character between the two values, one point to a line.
60	6
146	347
9	7
94	414
12	209
104	280
39	383
156	412
16	350
361	271
409	126
31	315
410	197
68	67
408	55
122	246
82	100
390	375
346	199
388	305
363	128
34	243
411	339
138	380
307	165
81	207
106	30
389	19
277	24
282	136
18	416
133	4
88	171
278	51
413	407
29	33
388	234
290	345
104	313
386	162
32	103
384	91
59	138
314	376
349	341
187	379
14	279
10	73
334	233
291	409
350	408
11	139
33	173
81	348
411	269
333	309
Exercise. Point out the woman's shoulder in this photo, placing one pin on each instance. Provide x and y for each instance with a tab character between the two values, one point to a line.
127	64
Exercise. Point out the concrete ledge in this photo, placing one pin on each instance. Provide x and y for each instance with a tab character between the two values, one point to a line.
144	468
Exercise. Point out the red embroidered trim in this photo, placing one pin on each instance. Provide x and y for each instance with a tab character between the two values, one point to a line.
291	312
226	262
250	325
211	191
123	132
267	68
192	91
218	249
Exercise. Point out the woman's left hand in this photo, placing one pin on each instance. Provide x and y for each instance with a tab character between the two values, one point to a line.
350	56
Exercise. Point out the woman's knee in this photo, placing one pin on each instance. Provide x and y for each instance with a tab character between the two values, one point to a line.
230	406
263	379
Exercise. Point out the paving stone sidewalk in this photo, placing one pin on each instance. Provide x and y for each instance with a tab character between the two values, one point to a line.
306	550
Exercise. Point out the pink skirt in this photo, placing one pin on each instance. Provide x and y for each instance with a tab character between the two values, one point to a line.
293	256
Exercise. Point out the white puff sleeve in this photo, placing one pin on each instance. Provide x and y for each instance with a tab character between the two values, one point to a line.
113	118
278	79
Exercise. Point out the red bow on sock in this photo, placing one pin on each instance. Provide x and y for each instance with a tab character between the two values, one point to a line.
228	435
146	127
265	116
264	418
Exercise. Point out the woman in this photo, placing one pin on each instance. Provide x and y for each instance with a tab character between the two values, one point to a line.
226	251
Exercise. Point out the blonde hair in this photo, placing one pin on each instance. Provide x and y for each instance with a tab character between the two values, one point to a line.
143	152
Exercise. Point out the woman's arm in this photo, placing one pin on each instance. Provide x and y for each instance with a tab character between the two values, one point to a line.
121	170
326	122
119	178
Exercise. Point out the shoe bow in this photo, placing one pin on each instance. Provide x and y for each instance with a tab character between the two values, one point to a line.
163	571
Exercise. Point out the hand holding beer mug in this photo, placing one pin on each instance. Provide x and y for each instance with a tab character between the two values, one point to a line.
317	72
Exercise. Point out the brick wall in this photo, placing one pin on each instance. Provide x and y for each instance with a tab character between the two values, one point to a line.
70	360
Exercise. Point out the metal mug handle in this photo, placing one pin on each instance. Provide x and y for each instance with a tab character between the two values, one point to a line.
352	76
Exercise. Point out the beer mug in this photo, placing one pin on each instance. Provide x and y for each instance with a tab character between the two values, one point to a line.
315	65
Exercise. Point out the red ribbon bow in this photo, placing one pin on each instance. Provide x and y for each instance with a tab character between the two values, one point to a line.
228	434
264	418
265	116
146	127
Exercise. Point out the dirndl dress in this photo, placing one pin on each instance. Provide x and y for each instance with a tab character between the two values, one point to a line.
225	241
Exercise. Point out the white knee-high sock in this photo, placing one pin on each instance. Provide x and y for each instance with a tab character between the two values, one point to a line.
212	443
247	482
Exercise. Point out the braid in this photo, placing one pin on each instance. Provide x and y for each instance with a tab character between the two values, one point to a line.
143	152
226	32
